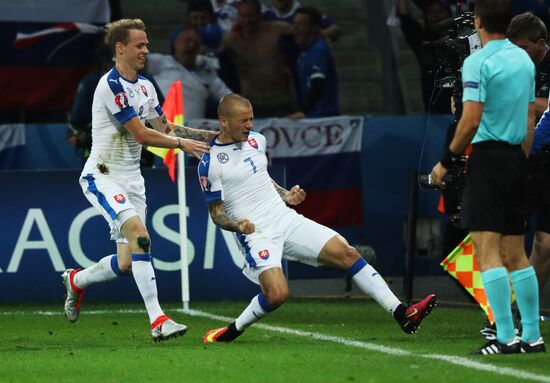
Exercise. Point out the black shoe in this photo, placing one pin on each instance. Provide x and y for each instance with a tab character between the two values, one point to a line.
494	347
410	318
224	334
489	331
536	346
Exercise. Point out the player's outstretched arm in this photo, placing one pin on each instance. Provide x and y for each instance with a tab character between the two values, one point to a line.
222	220
162	125
152	137
294	196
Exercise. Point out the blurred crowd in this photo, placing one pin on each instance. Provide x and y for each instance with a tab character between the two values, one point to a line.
277	54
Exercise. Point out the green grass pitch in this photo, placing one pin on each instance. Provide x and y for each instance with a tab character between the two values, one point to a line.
306	340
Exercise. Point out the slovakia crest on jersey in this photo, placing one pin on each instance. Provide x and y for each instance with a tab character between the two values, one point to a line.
263	254
144	90
119	198
121	100
205	184
252	142
223	157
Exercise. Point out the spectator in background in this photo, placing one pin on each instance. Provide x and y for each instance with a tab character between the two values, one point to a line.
434	12
284	10
317	80
226	13
80	118
200	82
253	45
200	15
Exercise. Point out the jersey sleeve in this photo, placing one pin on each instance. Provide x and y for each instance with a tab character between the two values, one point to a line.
116	100
210	180
473	83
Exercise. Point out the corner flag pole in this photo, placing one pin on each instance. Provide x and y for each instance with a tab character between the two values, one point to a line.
184	259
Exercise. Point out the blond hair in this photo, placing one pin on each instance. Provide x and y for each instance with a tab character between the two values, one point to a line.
119	31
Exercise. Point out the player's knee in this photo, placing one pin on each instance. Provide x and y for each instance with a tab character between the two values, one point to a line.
276	297
348	256
143	242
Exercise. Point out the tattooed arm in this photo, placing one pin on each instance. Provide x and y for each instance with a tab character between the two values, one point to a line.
221	219
294	196
161	124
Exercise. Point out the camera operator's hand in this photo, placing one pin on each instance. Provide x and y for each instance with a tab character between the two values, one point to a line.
438	172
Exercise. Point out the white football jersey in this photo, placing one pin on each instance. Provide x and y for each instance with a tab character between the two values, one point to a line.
237	174
117	101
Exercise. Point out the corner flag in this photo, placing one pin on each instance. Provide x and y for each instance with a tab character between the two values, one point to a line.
462	266
174	111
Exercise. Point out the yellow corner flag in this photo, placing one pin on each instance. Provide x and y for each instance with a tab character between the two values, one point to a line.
462	265
174	111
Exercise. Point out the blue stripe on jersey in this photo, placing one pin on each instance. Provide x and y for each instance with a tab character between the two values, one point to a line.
92	187
203	167
125	115
242	240
159	110
128	112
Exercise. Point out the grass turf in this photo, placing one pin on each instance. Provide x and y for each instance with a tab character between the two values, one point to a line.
39	345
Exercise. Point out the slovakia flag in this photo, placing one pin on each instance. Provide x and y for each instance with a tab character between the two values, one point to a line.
47	47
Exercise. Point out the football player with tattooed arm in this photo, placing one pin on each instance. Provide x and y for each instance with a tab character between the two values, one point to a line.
125	107
498	118
242	198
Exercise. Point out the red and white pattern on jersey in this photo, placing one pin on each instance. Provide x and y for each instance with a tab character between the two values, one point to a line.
263	254
252	142
144	90
205	184
121	100
120	198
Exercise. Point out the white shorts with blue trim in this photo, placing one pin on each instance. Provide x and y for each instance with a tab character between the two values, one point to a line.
291	236
117	198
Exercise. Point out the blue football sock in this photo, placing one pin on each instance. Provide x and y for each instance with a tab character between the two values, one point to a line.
497	288
527	296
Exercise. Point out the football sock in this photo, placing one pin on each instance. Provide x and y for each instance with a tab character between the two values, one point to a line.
497	288
106	269
526	288
144	275
257	309
371	283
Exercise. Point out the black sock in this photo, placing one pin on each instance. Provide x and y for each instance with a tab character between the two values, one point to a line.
399	313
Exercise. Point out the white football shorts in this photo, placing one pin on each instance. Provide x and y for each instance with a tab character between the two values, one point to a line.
118	198
291	236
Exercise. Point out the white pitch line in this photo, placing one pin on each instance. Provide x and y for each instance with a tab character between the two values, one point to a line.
452	359
457	360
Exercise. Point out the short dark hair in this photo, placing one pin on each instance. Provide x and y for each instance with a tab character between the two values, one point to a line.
495	15
314	15
527	26
200	6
